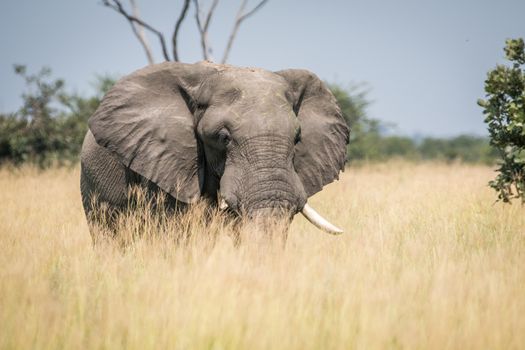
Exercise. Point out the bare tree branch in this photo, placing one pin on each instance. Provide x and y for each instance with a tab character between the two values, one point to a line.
203	29
177	28
241	16
233	34
209	15
140	34
117	6
203	24
255	9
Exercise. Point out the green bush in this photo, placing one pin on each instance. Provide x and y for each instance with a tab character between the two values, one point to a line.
50	126
504	110
465	148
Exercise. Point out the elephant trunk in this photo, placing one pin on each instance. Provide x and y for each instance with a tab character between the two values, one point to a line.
261	182
272	193
259	178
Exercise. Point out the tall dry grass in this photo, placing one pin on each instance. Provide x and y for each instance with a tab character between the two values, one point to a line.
427	261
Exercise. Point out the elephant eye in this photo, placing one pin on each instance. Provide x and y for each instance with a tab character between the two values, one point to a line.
224	137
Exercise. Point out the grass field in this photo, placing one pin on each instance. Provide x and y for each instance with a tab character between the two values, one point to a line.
428	261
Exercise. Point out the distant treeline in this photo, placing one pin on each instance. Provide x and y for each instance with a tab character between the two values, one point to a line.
464	148
369	142
50	126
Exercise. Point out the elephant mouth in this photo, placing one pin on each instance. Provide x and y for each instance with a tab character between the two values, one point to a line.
265	212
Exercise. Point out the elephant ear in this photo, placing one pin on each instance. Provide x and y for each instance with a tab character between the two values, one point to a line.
321	153
147	121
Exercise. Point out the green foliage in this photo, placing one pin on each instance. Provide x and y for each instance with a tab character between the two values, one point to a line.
397	147
51	124
364	131
504	110
464	147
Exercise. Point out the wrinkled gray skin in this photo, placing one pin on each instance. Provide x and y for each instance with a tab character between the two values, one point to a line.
266	140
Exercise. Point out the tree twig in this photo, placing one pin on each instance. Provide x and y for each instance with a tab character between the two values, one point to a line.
241	16
117	6
139	33
177	28
203	29
255	9
209	15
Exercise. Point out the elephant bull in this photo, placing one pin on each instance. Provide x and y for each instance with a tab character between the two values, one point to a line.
257	143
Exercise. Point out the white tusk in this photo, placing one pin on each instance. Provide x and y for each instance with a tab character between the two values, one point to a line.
319	221
223	205
222	202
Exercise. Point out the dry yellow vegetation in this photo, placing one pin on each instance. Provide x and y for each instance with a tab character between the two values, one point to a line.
428	261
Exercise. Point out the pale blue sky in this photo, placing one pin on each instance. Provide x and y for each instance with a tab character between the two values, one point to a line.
424	62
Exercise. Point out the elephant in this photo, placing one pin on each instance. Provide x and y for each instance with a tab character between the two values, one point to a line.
256	143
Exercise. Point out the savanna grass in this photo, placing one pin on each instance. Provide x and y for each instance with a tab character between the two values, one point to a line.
428	261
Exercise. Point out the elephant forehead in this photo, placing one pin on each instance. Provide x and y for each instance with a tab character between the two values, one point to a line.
243	94
250	79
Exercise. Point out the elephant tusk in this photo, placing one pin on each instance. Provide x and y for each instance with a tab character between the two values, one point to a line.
222	202
319	221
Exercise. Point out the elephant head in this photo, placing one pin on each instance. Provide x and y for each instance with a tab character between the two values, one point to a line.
258	142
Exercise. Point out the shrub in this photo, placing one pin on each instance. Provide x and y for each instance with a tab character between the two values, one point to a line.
50	126
504	110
